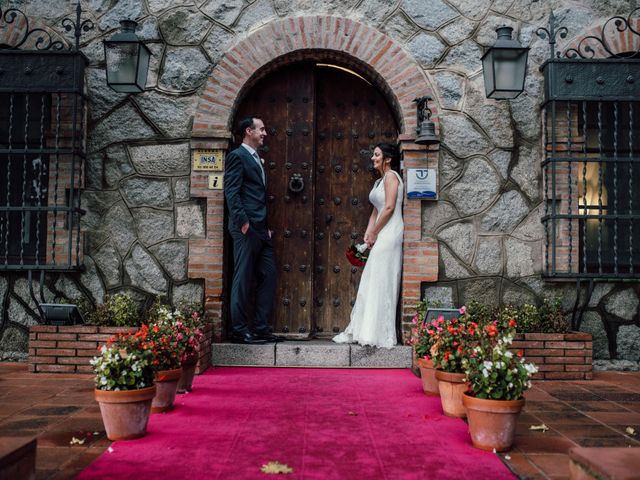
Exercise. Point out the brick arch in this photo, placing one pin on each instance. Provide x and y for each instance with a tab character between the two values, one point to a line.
376	57
619	42
349	42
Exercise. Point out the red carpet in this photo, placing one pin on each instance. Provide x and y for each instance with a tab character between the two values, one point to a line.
325	424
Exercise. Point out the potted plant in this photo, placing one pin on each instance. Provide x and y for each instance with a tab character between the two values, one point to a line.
191	329
455	337
423	337
497	381
124	388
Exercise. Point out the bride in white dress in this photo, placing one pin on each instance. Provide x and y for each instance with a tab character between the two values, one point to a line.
373	318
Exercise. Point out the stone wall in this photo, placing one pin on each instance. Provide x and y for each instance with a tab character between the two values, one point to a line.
141	216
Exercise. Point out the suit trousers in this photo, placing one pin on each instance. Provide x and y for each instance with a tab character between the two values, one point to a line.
253	258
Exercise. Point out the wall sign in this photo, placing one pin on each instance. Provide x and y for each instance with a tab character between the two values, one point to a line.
421	183
208	160
216	181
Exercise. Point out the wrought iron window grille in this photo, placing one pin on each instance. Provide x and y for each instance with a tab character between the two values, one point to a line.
43	111
591	165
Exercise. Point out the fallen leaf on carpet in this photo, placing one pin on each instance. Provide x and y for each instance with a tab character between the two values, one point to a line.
542	427
110	449
507	457
631	431
353	414
76	441
275	468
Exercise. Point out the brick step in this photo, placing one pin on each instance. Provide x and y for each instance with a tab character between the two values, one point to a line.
18	458
312	353
619	463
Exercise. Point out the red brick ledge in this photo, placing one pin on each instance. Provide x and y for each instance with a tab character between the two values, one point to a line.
558	356
68	349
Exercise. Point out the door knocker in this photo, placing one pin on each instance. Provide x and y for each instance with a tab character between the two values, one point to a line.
296	183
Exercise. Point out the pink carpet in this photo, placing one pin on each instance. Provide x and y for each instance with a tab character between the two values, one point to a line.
325	424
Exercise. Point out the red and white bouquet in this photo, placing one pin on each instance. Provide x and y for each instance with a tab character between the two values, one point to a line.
357	254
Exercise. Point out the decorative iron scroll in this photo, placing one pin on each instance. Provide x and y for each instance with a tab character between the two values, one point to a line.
589	44
44	40
552	33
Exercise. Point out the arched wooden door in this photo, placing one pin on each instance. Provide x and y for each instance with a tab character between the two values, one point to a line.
322	124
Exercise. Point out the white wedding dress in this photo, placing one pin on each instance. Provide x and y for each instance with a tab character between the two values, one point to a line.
373	318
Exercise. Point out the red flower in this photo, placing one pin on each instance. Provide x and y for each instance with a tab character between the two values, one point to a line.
512	323
520	354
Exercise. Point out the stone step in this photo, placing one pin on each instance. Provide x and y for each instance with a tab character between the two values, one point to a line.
614	463
311	353
18	458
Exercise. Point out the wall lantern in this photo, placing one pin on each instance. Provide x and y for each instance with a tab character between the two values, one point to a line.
127	60
504	66
426	131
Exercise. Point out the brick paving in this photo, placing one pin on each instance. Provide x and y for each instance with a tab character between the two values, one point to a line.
55	408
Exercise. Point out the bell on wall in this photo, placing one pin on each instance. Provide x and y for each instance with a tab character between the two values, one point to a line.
426	132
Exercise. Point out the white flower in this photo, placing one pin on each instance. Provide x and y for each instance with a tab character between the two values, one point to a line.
510	385
485	372
488	365
361	248
103	349
103	380
508	354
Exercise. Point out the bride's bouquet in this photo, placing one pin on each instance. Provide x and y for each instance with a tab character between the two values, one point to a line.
357	254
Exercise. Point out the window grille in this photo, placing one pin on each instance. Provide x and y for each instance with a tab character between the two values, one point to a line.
43	113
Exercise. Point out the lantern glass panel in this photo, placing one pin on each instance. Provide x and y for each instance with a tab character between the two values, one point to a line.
122	62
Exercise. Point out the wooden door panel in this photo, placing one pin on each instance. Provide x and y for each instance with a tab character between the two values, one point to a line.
322	124
351	118
284	100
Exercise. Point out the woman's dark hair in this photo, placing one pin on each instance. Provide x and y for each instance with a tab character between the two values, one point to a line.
389	150
246	122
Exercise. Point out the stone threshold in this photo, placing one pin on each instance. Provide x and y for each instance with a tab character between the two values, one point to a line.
312	353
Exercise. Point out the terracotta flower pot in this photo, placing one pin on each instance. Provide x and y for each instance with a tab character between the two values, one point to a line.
188	372
492	423
452	386
428	376
125	413
166	387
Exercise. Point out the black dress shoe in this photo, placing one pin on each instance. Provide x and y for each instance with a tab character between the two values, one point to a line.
247	339
269	337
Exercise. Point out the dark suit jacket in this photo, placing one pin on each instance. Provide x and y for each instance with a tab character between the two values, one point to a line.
244	191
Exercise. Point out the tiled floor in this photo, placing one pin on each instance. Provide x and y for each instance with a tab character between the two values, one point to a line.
58	407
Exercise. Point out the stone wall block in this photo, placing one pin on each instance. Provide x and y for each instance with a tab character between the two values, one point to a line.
461	136
161	159
531	228
258	13
450	89
506	213
217	43
90	279
225	11
492	115
475	9
449	168
173	115
181	190
144	272
592	323
439	295
129	9
488	258
139	191
184	26
429	15
190	220
501	159
185	68
435	214
461	238
399	27
527	172
426	49
465	56
101	98
172	255
120	227
623	304
117	165
522	258
122	125
451	267
628	340
108	262
458	30
153	225
191	292
477	188
483	290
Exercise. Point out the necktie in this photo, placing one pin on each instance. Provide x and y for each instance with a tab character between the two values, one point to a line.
257	159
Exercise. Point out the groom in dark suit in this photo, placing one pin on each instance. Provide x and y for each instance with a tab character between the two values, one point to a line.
245	193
